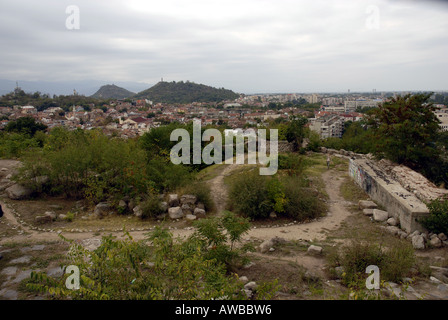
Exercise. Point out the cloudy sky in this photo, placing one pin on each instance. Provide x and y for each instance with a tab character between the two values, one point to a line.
249	46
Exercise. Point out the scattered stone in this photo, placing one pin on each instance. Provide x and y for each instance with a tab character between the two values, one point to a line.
442	237
392	222
9	271
252	286
339	271
244	279
312	249
199	213
123	205
24	259
22	276
190	217
9	294
380	215
102	209
37	247
43	219
62	217
138	212
418	242
366	204
200	205
393	230
186	209
175	212
188	199
164	206
435	242
367	212
56	272
173	200
248	293
52	215
272	215
18	192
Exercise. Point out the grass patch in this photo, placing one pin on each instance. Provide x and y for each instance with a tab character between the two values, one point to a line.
351	192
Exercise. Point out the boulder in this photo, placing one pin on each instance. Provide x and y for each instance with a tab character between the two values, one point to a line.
266	245
123	205
365	204
164	206
200	205
62	217
18	192
190	217
102	209
436	242
175	213
138	212
52	215
199	213
186	209
368	212
188	199
252	286
392	222
418	242
272	215
312	249
393	230
43	219
442	236
173	200
380	215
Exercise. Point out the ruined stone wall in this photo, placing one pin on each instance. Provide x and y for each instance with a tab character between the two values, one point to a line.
402	204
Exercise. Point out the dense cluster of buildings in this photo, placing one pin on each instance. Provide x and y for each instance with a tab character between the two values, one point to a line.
129	119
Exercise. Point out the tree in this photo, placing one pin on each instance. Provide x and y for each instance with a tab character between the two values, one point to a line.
25	125
295	131
406	130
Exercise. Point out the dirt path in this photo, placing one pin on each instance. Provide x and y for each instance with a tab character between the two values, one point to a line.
316	230
319	229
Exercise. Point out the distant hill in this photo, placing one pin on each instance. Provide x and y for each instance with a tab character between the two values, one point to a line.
112	91
185	92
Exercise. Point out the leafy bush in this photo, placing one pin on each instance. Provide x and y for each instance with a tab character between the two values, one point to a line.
394	263
158	267
302	203
215	233
151	206
437	221
248	195
255	196
202	192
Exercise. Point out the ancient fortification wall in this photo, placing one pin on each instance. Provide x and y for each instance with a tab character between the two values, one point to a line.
401	191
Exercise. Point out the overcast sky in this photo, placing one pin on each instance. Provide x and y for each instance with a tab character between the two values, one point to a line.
249	46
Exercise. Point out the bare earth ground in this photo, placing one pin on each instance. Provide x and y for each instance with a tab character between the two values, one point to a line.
301	276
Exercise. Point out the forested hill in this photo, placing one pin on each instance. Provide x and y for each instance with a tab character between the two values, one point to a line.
185	92
112	91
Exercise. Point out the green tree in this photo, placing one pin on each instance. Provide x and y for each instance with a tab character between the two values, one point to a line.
25	125
406	130
295	131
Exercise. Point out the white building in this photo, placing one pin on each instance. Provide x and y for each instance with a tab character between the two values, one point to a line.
442	115
351	105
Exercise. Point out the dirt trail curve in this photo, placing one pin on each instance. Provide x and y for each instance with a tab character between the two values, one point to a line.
316	230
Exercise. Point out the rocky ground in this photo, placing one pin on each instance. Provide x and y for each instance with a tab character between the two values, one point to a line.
294	253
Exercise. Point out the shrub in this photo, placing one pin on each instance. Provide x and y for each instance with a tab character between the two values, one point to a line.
202	192
302	203
394	263
158	267
249	195
437	221
151	206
